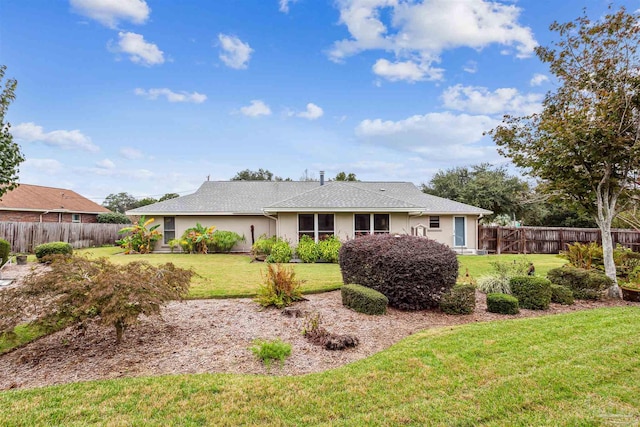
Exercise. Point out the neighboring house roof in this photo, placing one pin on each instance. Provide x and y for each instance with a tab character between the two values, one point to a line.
259	197
36	198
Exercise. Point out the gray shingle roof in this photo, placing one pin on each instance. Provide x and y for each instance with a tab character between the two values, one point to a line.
256	197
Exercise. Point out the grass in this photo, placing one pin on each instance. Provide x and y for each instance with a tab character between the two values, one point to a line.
230	275
581	368
22	334
480	265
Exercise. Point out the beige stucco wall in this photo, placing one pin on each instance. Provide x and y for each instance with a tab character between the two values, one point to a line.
444	234
240	224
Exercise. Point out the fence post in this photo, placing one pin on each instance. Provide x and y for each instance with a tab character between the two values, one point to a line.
498	241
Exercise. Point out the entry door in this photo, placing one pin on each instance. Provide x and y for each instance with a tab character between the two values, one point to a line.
459	231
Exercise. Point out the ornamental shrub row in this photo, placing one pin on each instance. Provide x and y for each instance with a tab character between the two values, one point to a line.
532	292
52	248
502	304
363	299
461	299
585	284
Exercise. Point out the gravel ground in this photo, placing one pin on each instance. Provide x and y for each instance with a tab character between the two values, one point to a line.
200	336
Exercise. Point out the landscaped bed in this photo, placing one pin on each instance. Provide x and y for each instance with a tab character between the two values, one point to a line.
215	336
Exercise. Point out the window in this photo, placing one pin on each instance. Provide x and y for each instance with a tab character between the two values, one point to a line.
75	217
169	228
434	222
316	226
370	224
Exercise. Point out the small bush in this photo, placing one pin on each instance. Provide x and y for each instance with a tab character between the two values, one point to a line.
411	271
585	284
502	304
262	246
223	241
561	295
582	255
279	288
461	299
532	292
52	248
280	252
364	300
307	249
5	249
268	351
113	218
494	284
329	249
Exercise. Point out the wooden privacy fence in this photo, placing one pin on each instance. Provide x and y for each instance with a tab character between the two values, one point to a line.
25	236
546	240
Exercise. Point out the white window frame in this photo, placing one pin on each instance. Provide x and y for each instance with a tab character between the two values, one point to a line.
464	221
74	216
165	241
438	218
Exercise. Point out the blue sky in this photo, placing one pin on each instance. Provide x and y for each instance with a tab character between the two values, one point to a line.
150	97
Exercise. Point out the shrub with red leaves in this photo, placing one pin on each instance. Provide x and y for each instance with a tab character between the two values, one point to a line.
413	272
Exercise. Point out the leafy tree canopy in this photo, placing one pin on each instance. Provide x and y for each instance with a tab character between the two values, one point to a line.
168	196
480	185
259	175
585	144
120	202
10	155
342	176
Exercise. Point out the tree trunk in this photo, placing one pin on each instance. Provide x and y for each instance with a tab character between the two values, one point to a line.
606	213
119	331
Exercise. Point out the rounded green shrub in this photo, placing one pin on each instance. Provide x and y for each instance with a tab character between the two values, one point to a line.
307	249
113	218
5	249
585	284
461	299
223	241
561	295
364	300
532	292
329	249
502	304
280	252
413	272
52	248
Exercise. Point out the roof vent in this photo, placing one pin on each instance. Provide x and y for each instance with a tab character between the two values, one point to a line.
321	177
382	189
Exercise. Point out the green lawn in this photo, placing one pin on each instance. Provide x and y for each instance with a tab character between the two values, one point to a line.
581	368
226	276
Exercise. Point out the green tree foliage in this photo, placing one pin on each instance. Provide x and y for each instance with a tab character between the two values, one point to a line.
168	196
145	202
120	202
259	175
10	155
113	218
342	176
585	144
78	289
481	185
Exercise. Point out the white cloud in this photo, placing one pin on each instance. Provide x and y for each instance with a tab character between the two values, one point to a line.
182	96
257	108
110	12
131	153
139	50
43	166
471	67
235	53
284	5
420	31
106	164
436	136
406	70
538	79
66	139
479	100
313	112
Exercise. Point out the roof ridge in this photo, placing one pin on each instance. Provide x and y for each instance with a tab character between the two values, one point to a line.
386	195
301	193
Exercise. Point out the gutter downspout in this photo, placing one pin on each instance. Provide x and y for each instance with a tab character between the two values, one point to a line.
43	213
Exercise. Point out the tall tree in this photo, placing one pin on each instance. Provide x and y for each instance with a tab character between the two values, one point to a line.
145	202
342	176
249	175
483	186
168	196
585	144
120	202
10	155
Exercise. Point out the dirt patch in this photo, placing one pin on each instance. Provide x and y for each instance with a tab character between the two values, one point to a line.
215	336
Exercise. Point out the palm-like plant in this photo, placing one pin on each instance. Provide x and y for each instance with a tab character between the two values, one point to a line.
142	238
196	238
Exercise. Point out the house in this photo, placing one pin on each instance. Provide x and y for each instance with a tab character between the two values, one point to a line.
35	203
290	209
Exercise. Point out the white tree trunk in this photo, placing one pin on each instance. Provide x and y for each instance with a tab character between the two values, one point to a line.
606	213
